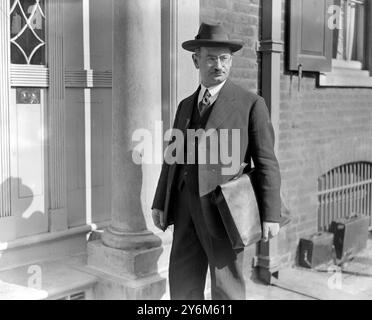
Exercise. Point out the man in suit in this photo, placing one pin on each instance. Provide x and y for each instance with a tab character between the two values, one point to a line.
184	195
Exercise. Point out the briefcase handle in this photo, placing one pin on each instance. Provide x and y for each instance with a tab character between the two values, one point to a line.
243	166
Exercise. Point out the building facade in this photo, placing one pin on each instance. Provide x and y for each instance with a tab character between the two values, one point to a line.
79	77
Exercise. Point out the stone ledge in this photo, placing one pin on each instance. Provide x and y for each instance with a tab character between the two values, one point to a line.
112	287
43	280
10	291
345	77
148	288
129	264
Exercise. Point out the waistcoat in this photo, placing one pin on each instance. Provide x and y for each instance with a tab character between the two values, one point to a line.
188	173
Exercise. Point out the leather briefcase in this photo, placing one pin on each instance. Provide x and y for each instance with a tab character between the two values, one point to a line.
350	235
237	204
316	250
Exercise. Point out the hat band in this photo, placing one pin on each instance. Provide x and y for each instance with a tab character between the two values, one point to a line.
215	37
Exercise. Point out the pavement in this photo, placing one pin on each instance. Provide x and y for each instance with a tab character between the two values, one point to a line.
328	282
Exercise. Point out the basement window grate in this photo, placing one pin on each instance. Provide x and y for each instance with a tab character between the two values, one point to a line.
344	191
74	296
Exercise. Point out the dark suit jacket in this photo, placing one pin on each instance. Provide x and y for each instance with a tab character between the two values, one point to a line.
234	108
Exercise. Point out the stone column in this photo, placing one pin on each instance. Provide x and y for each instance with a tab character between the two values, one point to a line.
136	93
128	249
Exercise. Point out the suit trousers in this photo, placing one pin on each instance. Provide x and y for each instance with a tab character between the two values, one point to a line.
194	249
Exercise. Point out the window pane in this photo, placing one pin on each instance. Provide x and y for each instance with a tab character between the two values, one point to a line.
339	41
348	42
17	55
27	31
28	96
359	36
38	57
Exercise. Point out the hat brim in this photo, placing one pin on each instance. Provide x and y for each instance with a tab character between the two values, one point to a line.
191	45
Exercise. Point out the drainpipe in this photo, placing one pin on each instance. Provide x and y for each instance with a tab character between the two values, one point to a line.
271	47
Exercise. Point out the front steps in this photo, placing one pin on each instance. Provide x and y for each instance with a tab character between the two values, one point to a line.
52	280
44	247
45	266
49	276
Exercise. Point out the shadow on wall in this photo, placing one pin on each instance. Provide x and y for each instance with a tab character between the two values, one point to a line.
17	190
25	192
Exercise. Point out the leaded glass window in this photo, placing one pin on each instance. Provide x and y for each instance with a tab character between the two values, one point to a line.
27	31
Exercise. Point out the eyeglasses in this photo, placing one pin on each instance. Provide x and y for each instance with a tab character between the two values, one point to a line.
213	60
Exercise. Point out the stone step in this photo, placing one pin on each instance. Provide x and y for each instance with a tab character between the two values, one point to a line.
113	287
43	247
49	280
10	291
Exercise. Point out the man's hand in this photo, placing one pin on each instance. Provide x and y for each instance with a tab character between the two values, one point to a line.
270	230
158	218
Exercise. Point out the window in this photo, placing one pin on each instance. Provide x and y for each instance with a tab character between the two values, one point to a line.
349	40
27	32
349	51
333	38
343	192
310	38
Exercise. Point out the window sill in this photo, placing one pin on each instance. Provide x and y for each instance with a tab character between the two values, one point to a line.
345	74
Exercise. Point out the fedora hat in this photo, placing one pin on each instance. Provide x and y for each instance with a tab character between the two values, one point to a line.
212	35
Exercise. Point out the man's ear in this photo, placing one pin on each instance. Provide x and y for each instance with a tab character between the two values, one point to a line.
195	60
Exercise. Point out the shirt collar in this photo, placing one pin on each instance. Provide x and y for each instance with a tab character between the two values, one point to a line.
215	90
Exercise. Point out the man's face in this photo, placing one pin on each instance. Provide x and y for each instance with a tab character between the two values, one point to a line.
214	64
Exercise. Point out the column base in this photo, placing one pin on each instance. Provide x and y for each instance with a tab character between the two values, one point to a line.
128	264
114	288
268	261
268	275
268	269
114	238
126	274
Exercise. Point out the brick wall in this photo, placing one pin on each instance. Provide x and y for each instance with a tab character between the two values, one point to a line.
319	129
241	20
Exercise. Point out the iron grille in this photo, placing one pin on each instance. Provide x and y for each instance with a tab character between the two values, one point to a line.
344	191
74	296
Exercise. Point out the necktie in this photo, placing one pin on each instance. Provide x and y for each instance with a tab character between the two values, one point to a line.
205	102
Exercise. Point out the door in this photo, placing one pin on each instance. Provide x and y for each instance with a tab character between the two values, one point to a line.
28	165
26	87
